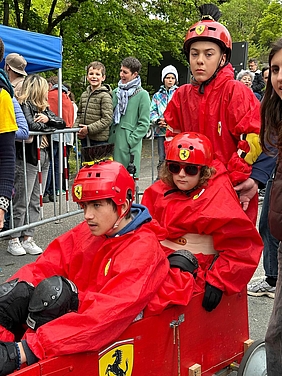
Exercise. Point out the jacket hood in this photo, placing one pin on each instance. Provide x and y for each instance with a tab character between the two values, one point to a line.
140	215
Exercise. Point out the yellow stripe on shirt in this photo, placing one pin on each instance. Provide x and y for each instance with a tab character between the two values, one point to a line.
7	113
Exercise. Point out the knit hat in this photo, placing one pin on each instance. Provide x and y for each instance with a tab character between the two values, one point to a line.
169	69
17	63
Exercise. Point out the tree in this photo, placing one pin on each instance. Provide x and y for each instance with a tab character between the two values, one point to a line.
31	15
242	17
270	25
107	30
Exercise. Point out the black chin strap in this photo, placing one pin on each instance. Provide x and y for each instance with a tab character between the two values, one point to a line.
205	83
187	193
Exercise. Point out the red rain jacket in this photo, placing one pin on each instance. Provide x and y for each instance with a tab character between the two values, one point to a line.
225	111
116	277
214	211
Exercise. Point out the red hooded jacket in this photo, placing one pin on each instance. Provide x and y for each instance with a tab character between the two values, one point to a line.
213	210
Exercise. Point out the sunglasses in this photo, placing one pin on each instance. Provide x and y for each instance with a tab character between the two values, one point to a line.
189	169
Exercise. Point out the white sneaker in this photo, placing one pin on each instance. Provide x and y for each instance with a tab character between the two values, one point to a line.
30	246
261	288
15	247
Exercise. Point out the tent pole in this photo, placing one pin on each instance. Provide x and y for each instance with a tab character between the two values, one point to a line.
60	112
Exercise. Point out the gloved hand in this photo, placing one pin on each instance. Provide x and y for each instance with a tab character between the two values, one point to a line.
9	358
212	297
14	301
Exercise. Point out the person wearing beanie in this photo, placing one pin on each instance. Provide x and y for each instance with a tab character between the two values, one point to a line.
220	107
169	77
15	65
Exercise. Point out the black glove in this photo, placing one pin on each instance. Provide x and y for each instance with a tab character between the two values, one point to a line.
212	297
14	301
9	358
30	357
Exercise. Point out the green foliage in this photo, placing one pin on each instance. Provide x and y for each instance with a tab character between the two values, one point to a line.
241	18
270	26
110	30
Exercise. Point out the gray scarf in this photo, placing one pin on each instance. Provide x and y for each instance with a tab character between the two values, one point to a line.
124	92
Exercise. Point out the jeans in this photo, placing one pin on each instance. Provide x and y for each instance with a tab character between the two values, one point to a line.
49	182
273	339
33	193
161	149
270	262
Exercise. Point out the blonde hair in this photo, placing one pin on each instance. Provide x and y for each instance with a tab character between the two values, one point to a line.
35	90
205	174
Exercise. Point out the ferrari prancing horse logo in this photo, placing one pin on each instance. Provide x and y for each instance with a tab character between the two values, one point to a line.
200	29
184	154
117	360
78	191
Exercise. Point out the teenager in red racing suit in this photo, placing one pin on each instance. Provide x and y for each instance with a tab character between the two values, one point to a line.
223	109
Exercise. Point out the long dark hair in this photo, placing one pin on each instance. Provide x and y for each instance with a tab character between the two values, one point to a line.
271	110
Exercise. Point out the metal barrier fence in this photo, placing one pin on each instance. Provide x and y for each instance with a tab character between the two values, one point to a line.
63	206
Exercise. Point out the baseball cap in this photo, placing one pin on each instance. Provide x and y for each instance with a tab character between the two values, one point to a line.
17	63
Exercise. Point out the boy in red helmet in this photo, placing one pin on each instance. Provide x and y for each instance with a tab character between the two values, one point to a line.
195	201
113	260
218	106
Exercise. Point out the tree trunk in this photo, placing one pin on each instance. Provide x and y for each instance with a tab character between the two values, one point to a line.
6	13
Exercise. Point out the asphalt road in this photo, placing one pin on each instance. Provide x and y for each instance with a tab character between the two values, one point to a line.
259	307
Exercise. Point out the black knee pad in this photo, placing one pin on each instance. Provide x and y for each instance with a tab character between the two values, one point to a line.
52	298
14	301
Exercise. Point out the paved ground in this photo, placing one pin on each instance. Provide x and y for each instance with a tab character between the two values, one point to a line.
259	308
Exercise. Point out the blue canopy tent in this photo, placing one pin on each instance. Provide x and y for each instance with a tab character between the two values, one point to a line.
42	52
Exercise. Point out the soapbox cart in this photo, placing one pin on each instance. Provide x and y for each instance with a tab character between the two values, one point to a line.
182	341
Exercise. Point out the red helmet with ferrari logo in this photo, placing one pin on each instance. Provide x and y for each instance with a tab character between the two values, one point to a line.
190	147
209	29
107	179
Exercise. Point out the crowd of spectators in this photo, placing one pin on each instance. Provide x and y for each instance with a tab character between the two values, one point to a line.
228	124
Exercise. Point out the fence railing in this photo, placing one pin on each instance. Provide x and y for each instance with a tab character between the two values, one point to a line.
62	206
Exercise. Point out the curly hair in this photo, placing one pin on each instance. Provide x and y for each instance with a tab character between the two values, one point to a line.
205	174
243	73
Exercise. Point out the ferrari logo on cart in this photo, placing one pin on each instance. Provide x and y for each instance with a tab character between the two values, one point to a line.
184	154
117	360
200	29
78	191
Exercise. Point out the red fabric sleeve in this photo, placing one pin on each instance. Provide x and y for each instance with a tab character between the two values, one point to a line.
116	278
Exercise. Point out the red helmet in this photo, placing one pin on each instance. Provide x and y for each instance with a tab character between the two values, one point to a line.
209	30
108	179
190	147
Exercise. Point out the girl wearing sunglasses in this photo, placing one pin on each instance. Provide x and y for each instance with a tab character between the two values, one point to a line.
197	204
